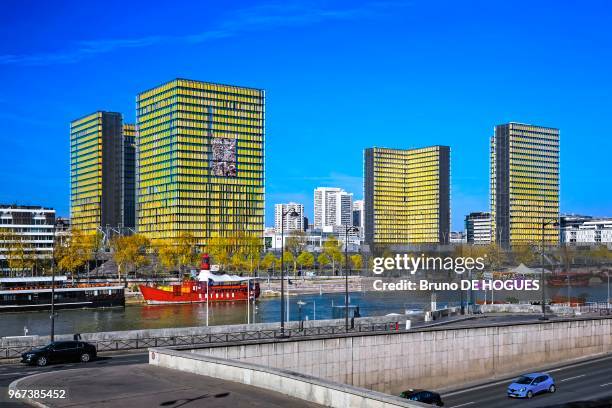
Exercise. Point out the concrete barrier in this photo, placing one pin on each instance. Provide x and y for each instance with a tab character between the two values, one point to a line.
526	308
297	385
428	358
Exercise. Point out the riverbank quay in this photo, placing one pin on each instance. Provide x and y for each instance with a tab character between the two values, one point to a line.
12	347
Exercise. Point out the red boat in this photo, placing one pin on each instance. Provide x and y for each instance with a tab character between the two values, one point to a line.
207	286
575	279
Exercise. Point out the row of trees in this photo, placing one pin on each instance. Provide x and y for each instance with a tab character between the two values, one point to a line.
239	252
529	255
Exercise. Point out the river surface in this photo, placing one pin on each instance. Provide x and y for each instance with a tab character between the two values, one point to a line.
314	306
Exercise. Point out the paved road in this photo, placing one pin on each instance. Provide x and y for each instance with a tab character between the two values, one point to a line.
585	385
505	318
146	386
12	372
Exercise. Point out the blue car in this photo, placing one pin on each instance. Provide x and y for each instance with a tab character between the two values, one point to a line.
528	385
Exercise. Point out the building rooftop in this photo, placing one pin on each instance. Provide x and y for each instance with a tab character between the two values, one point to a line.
24	207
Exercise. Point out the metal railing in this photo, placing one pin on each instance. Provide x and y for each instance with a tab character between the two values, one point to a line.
11	352
603	308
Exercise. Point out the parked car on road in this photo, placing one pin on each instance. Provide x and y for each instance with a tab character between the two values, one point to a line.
60	352
528	385
428	397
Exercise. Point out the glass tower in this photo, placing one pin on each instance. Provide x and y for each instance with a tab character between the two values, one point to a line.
95	171
524	184
407	196
200	160
128	183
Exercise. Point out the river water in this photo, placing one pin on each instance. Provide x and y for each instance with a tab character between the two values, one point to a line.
314	306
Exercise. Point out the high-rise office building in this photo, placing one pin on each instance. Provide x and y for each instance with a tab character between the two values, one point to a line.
478	228
407	196
128	183
291	223
359	217
333	208
524	184
96	167
200	160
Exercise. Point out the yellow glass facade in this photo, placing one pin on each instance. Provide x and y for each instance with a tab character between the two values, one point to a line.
524	184
200	160
129	130
86	172
407	195
95	165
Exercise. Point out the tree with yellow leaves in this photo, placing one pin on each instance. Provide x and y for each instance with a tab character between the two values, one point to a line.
130	252
73	254
331	248
238	250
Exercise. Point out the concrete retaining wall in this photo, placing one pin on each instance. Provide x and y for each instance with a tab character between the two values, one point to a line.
294	384
393	362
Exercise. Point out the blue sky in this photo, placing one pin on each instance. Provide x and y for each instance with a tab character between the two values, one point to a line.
339	76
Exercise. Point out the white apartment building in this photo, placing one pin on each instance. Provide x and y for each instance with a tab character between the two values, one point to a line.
588	232
478	228
291	223
31	228
333	207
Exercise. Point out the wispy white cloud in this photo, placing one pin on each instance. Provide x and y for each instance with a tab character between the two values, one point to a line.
262	17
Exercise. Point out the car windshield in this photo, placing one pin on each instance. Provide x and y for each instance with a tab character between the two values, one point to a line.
524	380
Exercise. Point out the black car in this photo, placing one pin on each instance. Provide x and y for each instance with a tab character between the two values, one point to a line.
428	397
60	352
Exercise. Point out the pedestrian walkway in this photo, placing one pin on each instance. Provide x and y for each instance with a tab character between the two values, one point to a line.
142	385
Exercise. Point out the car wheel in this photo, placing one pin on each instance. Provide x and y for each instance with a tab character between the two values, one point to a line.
552	388
85	357
529	394
41	361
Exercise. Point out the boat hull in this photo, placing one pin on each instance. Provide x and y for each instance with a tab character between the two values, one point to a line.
156	296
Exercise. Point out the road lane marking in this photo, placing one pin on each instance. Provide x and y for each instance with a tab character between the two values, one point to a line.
19	373
603	385
448	394
462	405
573	378
479	387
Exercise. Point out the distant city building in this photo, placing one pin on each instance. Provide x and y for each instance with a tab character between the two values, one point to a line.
333	208
306	225
200	160
359	217
572	220
291	223
314	240
26	232
407	196
478	228
585	230
101	161
62	229
524	184
457	237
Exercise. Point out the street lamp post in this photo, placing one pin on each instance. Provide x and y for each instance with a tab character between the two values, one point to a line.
346	272
292	213
52	302
544	224
608	275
